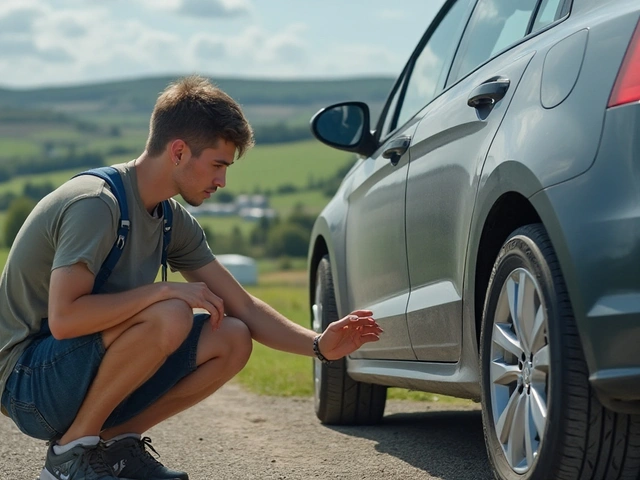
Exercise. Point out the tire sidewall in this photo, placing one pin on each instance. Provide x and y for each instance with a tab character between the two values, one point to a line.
328	315
522	251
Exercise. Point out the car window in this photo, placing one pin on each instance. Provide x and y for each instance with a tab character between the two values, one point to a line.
549	12
432	64
494	25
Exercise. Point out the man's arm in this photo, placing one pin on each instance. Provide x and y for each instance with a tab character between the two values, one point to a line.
75	311
272	329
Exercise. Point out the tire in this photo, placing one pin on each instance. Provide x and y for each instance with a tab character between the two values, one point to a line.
340	400
525	374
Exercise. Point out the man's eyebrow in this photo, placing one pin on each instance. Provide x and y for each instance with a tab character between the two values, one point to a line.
224	162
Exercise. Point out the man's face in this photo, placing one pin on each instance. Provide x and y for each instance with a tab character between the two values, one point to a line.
201	176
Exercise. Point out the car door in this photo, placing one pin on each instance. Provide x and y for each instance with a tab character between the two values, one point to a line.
376	255
449	148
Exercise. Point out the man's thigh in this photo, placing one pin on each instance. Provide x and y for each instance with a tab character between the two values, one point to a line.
52	377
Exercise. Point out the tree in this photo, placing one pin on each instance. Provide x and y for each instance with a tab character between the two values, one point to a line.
18	212
288	239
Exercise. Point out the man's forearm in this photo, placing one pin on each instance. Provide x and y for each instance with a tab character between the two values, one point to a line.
274	330
97	312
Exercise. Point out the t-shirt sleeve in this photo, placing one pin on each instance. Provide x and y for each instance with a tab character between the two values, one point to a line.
86	232
188	249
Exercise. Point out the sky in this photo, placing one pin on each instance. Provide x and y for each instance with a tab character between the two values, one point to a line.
74	42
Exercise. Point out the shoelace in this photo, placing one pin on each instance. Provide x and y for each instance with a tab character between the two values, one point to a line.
142	445
146	441
93	461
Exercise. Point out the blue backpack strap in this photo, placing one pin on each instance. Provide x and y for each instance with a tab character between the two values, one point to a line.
167	213
113	179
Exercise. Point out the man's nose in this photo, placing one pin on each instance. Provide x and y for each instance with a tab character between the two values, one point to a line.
220	180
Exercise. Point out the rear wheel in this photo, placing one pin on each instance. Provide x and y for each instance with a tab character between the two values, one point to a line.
340	400
541	418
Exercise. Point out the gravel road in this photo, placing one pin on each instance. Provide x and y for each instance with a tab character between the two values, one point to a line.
235	435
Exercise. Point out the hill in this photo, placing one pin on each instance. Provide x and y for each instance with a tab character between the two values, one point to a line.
264	101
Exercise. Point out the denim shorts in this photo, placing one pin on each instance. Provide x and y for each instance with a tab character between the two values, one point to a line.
51	378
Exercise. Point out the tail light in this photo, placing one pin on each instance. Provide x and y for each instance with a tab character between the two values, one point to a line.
627	87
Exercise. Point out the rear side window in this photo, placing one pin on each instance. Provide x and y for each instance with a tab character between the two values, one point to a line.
494	25
549	12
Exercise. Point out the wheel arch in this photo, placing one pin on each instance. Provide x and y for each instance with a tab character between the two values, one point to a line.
510	211
321	244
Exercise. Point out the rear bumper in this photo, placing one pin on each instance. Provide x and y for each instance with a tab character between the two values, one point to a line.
594	223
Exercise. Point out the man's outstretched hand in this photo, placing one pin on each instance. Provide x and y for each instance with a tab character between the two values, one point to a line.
348	334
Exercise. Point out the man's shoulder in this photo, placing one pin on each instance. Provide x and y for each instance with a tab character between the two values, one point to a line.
86	189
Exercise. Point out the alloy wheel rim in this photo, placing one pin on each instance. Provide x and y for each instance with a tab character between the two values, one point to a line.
519	370
317	327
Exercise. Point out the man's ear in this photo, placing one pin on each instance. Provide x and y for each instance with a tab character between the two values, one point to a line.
178	150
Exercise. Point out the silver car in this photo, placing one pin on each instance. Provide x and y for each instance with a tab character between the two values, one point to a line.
492	224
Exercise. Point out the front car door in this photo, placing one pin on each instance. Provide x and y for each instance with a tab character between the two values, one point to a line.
376	254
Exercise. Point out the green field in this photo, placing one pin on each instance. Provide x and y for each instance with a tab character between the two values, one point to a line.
263	168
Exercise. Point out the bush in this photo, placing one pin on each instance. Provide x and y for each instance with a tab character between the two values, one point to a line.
288	239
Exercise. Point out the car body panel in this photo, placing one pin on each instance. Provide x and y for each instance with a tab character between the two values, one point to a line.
375	224
594	222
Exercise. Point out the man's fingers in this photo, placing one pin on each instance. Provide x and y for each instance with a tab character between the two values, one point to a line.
362	313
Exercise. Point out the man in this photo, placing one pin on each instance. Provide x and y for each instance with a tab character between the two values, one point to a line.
91	372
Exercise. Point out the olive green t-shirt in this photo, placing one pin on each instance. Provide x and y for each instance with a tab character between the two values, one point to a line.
78	223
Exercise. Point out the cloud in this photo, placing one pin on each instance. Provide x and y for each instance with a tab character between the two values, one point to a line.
388	14
207	48
214	8
252	48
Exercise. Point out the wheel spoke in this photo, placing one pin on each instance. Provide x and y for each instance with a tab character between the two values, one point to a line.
503	373
537	330
538	407
503	337
524	324
504	423
515	445
541	359
529	435
512	297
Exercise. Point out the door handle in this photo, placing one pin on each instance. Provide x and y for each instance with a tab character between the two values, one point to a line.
396	148
489	93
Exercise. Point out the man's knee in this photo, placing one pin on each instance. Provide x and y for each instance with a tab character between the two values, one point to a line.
231	341
171	325
241	343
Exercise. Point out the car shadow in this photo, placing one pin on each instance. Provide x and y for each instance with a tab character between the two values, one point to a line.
445	444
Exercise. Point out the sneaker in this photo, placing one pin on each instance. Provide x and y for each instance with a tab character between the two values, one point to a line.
130	459
80	463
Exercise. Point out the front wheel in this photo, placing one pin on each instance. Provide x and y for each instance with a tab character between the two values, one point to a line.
541	418
340	400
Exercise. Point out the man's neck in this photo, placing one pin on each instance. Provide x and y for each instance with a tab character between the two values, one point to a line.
155	183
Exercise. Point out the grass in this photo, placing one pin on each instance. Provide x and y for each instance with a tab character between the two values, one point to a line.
266	167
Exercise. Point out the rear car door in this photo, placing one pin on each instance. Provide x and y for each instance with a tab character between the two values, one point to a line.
447	155
376	254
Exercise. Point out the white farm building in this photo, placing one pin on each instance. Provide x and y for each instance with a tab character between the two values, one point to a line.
244	269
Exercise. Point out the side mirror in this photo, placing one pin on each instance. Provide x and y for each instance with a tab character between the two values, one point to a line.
345	126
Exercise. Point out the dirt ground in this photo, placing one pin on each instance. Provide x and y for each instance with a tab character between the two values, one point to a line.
238	435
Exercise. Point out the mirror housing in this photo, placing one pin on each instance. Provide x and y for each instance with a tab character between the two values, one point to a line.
345	126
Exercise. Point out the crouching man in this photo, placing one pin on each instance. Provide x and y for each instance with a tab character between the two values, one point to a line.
90	370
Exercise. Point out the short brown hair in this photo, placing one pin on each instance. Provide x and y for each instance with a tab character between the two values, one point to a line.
198	112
